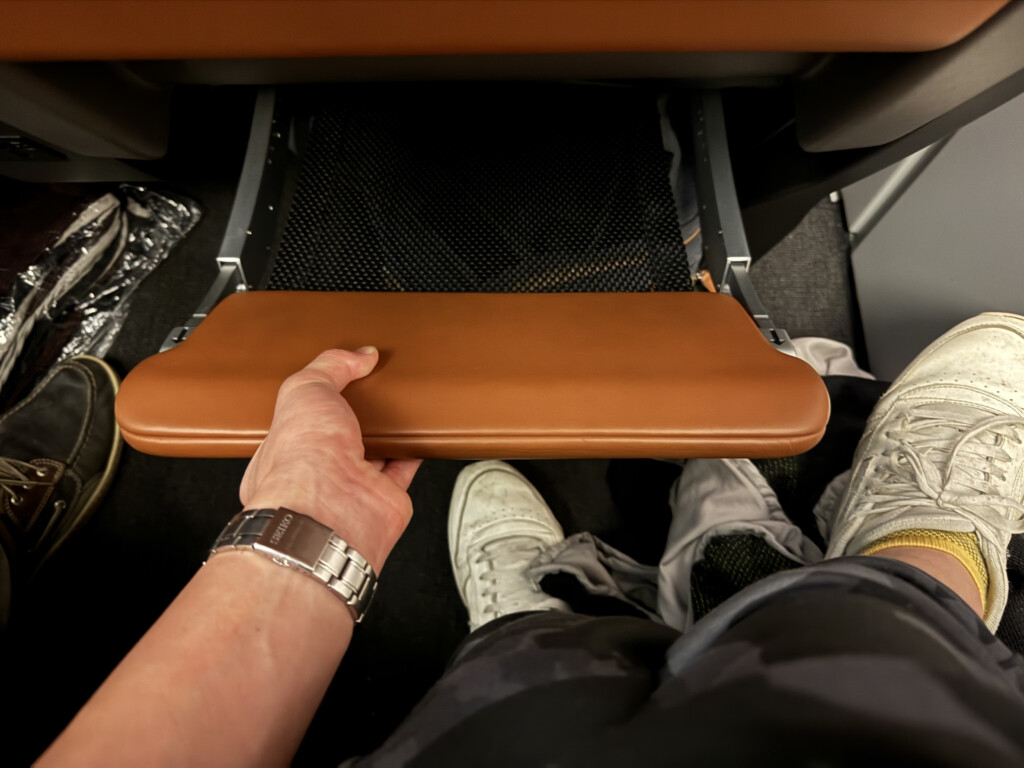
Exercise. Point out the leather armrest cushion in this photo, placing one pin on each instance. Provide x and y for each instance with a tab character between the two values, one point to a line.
653	375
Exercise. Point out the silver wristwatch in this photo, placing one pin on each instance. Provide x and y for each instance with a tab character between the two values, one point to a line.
300	542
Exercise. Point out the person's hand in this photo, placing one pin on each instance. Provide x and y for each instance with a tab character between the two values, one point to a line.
312	460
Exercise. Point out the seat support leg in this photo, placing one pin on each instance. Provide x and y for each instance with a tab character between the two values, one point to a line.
726	253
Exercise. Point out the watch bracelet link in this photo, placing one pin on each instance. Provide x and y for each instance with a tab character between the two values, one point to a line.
299	542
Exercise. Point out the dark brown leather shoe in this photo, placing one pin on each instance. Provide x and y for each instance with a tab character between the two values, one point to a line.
58	451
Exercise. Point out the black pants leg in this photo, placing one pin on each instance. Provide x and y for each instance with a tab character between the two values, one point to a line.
849	661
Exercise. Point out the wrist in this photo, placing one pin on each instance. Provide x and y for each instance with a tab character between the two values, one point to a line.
266	583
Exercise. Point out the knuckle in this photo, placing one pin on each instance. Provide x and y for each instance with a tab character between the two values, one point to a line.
332	356
398	502
293	381
300	379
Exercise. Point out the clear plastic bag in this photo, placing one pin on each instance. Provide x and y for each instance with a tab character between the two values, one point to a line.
74	299
154	223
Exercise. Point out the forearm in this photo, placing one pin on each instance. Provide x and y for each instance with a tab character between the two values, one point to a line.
231	674
234	670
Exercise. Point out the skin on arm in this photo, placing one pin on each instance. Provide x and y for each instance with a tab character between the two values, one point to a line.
233	671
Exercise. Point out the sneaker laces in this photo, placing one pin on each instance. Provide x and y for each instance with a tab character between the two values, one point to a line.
974	453
16	474
503	560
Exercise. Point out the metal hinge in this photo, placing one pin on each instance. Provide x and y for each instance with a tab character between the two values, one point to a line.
737	283
230	279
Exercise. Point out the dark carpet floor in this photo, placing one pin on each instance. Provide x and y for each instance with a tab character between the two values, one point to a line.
806	282
102	591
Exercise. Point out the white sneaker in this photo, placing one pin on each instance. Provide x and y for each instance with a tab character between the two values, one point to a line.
943	450
497	525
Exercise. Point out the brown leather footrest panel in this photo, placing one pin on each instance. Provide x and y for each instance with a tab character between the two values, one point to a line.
667	375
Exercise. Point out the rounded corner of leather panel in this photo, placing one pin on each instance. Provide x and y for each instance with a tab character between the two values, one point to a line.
124	410
190	447
142	443
811	406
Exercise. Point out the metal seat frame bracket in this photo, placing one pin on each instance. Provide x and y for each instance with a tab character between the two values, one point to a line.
726	254
245	251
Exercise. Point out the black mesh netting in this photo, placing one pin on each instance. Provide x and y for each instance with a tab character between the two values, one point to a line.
731	563
484	188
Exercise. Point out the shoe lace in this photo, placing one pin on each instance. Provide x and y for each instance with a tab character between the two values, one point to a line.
946	456
502	574
18	475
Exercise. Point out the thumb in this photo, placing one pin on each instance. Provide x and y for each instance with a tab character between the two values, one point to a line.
340	366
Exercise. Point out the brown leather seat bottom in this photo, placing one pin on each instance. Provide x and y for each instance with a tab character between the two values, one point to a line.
230	29
659	375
